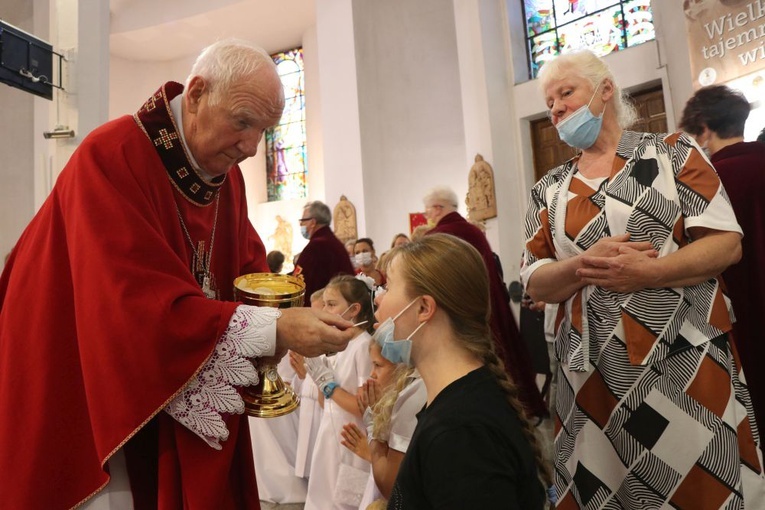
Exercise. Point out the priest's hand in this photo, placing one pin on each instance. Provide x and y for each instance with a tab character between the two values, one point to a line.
312	333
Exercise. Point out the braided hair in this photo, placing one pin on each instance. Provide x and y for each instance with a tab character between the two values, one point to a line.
453	273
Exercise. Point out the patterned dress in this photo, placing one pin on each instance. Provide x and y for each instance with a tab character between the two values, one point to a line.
652	407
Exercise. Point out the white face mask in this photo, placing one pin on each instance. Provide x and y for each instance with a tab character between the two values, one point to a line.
363	259
342	315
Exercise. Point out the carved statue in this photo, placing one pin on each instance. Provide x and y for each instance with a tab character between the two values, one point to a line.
481	200
344	217
282	237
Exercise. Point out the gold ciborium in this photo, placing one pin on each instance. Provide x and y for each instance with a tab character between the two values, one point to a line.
270	397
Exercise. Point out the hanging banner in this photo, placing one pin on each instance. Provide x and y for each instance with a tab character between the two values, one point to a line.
726	39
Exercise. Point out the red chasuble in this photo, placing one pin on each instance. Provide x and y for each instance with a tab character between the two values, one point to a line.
507	340
102	324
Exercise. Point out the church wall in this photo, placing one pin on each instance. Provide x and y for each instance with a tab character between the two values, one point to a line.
338	95
16	144
486	73
410	110
132	82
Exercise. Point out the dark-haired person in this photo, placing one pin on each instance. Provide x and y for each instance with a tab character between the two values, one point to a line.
366	260
716	116
275	260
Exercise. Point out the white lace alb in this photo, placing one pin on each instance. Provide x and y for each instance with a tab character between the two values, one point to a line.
251	333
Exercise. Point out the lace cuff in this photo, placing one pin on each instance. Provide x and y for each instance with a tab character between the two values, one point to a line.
251	333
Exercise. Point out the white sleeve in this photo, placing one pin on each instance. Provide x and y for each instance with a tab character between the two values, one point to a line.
403	418
251	333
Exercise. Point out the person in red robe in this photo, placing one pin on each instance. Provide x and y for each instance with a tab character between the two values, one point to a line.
325	256
121	345
441	209
716	117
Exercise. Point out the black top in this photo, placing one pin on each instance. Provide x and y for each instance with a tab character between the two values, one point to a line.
468	451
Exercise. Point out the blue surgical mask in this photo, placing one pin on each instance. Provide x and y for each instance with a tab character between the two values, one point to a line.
304	231
395	351
581	128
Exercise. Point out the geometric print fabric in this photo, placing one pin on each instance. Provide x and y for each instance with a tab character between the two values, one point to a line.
650	411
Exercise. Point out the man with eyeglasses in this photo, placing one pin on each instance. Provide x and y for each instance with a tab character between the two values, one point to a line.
324	256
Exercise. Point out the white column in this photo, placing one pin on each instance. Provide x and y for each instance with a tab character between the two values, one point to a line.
338	93
489	119
92	65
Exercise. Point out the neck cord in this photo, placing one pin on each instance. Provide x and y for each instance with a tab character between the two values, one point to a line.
202	263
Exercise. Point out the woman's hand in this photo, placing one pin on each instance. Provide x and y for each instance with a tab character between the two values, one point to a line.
356	441
629	270
556	282
710	253
611	246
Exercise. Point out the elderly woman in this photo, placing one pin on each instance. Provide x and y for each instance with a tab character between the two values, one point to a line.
629	237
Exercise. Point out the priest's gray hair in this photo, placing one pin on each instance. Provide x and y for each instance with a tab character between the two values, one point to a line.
319	211
224	63
441	195
592	68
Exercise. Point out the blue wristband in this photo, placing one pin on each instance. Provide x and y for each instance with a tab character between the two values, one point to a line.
329	389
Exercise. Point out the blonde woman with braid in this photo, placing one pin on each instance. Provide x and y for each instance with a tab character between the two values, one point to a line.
473	446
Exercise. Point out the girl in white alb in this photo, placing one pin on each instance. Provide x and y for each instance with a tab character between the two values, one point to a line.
338	477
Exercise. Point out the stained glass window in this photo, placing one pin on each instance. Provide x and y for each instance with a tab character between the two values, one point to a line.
286	163
603	26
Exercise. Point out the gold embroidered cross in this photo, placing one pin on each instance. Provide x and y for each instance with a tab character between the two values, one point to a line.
166	138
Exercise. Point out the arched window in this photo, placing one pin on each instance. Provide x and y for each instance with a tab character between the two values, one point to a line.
603	26
286	162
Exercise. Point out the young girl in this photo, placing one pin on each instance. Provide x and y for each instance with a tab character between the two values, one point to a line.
310	411
473	446
393	396
337	476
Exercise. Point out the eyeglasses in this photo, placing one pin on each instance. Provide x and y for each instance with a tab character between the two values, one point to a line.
301	220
